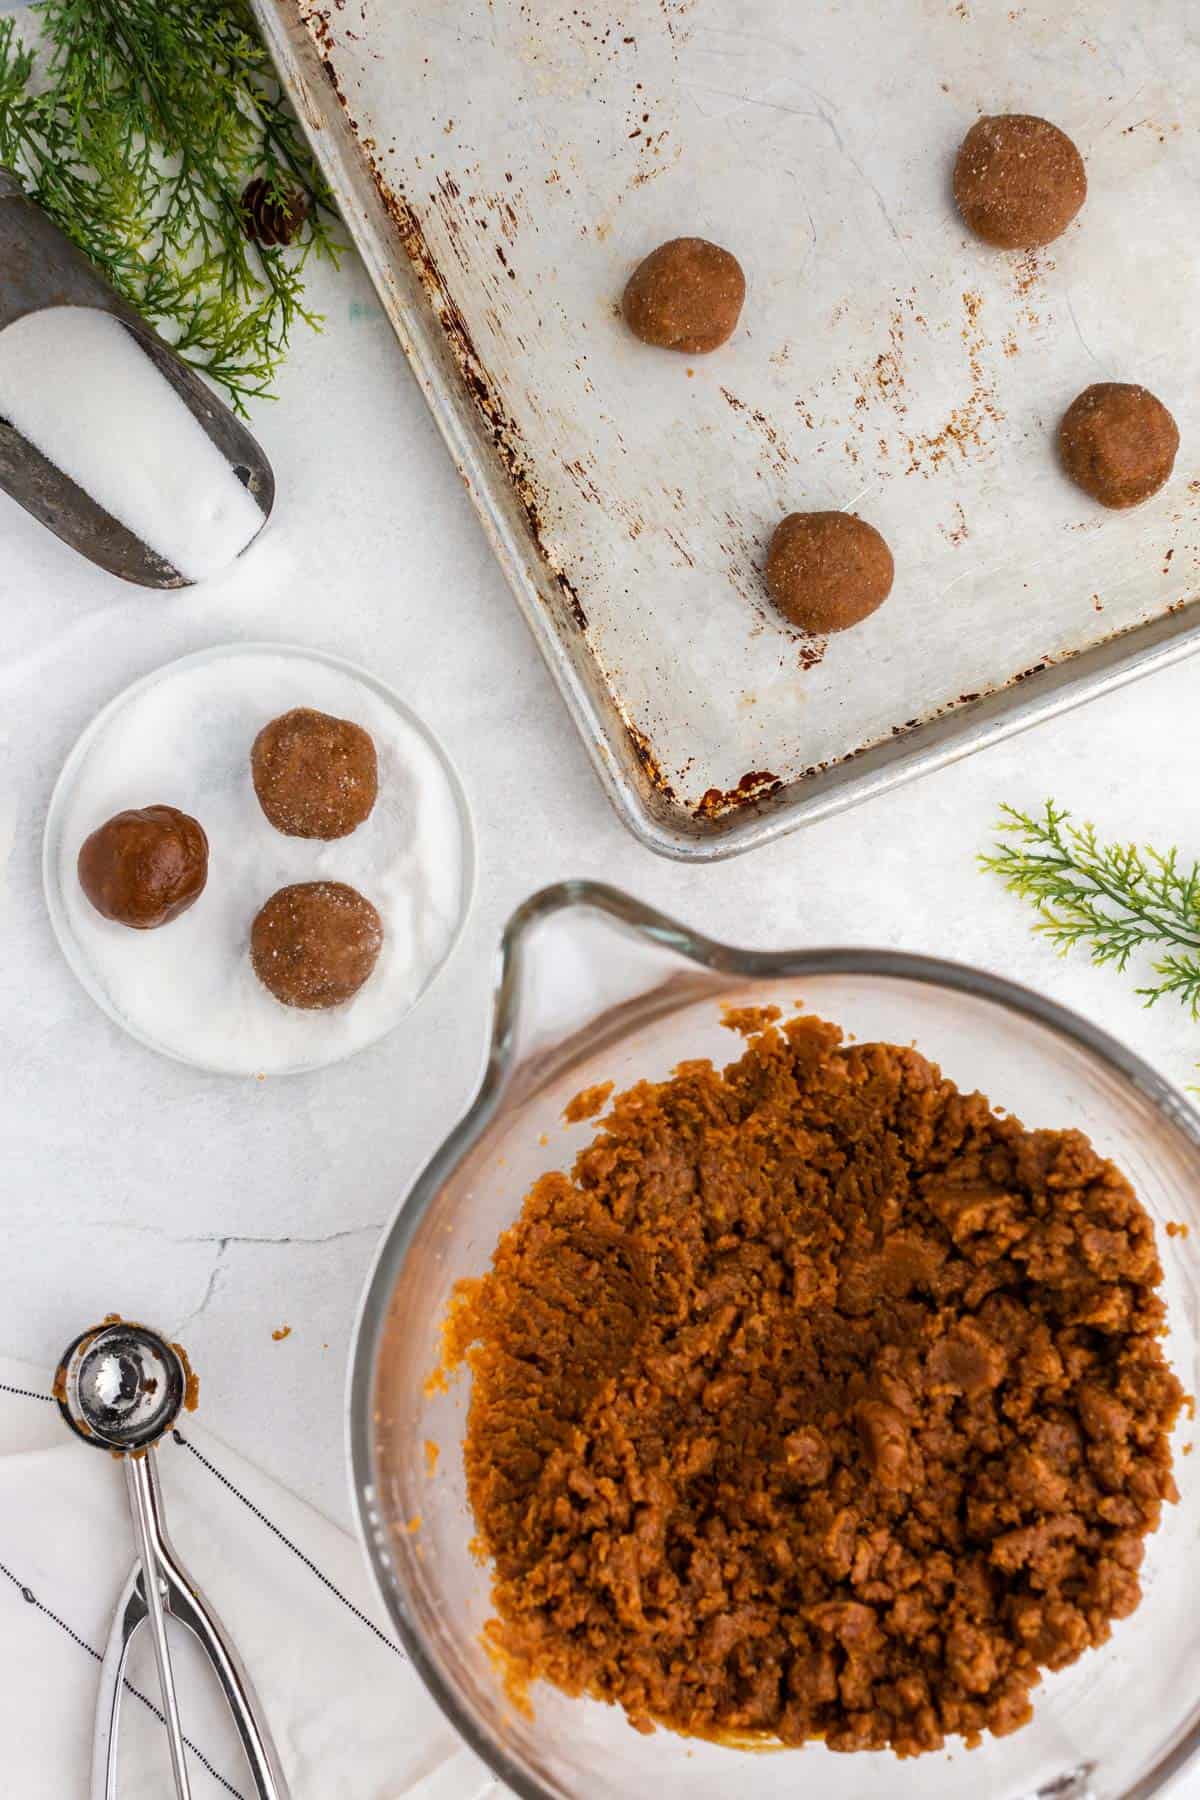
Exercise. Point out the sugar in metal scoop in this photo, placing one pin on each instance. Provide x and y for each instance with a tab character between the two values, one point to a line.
106	435
120	1386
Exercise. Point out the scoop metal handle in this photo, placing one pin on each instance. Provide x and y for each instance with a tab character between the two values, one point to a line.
180	1600
141	1479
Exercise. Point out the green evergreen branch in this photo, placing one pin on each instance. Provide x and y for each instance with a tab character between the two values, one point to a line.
136	125
1113	899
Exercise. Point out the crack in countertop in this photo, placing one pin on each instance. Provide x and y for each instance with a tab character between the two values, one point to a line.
223	1239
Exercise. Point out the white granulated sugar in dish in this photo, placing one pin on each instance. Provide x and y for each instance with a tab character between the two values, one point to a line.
79	386
184	741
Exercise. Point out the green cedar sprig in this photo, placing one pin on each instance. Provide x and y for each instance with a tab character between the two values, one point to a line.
1113	899
136	124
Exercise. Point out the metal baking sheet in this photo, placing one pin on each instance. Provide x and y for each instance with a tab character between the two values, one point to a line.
503	164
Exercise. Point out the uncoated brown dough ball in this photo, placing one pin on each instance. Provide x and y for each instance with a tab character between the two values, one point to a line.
144	867
315	943
1118	443
687	295
1018	181
315	776
828	570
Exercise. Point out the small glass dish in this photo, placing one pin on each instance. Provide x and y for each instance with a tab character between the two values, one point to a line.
183	735
593	986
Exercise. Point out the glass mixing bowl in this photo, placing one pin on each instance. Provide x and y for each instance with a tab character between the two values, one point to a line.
592	986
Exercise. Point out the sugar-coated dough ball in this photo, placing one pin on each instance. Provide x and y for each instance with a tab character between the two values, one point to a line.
1118	443
314	944
144	867
828	570
687	295
1018	181
315	776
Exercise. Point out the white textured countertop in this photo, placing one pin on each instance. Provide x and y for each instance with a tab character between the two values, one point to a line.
223	1209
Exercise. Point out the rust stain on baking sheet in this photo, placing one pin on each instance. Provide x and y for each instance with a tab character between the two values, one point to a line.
648	171
778	454
883	378
887	374
744	555
680	548
673	10
757	785
319	24
1158	131
580	475
583	474
570	592
971	425
503	430
1029	271
958	532
649	763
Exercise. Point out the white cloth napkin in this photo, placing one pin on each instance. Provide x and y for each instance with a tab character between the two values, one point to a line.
350	1717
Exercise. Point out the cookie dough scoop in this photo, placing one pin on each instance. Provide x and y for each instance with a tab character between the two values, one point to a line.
120	1387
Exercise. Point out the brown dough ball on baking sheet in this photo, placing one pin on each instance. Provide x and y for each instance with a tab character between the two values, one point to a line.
314	944
315	776
144	867
687	295
1118	443
1018	181
828	570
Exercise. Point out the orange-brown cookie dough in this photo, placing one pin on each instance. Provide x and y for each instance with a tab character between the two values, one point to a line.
315	776
315	943
1018	181
819	1400
587	1103
1118	443
827	571
144	867
686	295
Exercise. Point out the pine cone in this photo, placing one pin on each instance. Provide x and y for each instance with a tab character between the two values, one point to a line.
269	220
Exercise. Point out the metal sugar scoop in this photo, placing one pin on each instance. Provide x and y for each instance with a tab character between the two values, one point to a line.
120	1386
39	268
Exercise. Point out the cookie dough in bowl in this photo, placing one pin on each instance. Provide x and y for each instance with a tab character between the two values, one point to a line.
844	1411
677	1492
186	731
